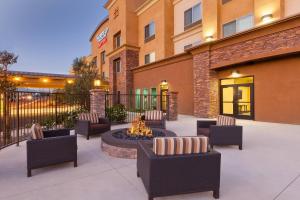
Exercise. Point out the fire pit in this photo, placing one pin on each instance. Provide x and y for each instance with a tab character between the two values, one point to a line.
122	143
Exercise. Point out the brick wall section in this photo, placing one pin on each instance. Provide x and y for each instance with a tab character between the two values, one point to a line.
273	42
98	101
173	106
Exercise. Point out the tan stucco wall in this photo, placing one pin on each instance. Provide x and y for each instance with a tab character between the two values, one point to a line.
186	39
264	7
292	7
210	21
178	73
276	89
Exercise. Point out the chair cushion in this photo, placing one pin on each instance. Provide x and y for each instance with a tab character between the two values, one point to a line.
179	145
154	115
92	117
203	131
36	132
225	121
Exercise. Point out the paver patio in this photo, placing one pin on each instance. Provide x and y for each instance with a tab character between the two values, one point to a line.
267	168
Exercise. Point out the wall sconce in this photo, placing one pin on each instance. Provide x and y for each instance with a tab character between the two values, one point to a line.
97	83
209	38
235	74
17	78
267	18
164	85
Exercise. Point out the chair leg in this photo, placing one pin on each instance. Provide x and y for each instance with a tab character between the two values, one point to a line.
87	137
216	194
28	172
212	146
75	163
137	174
150	197
240	147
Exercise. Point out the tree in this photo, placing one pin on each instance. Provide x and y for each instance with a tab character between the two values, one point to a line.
79	91
6	87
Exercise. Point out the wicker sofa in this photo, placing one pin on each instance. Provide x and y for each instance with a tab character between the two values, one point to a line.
155	119
178	174
57	146
222	131
91	124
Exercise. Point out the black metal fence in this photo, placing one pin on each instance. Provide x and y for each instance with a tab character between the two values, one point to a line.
137	104
19	110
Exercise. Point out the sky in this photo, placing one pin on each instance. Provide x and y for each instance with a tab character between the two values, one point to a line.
48	34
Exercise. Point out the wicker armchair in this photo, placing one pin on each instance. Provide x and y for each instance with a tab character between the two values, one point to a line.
155	119
222	131
90	124
56	147
178	174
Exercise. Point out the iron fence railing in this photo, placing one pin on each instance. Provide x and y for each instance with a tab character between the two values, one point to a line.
137	104
19	110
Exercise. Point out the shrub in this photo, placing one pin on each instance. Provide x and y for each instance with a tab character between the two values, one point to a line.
117	113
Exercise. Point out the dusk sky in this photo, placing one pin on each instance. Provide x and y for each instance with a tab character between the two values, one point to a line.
48	34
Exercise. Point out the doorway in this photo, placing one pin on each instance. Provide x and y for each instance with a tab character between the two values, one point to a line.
237	97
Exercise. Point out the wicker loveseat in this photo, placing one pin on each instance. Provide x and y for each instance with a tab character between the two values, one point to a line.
91	124
165	175
222	131
155	119
53	147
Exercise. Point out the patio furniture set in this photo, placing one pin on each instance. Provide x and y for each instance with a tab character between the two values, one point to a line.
167	165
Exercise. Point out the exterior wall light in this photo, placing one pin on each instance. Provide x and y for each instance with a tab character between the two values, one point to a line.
267	18
164	85
97	83
70	81
45	80
209	38
235	74
17	78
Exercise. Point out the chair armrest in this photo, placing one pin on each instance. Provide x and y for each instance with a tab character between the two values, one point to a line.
103	120
226	135
82	127
56	133
205	123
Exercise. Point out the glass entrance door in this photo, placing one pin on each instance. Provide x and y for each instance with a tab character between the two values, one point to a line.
237	98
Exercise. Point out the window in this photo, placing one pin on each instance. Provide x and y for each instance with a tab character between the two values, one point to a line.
225	1
137	98
149	58
103	57
153	98
117	40
188	46
239	25
192	16
117	65
149	32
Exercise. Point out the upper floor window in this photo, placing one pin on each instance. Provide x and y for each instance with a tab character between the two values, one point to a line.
117	40
192	16
150	32
149	58
238	25
103	57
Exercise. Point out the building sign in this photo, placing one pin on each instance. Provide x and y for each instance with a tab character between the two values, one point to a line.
102	38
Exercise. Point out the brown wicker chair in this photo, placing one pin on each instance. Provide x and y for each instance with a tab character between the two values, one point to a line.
58	146
180	174
155	119
88	127
222	131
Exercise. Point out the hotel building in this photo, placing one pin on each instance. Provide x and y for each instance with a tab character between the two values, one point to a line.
221	56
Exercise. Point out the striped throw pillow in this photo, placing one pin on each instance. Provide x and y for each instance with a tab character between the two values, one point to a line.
167	146
225	121
92	117
154	115
36	132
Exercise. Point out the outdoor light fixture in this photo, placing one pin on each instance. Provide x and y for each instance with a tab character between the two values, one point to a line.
209	38
17	78
97	83
267	18
164	85
45	80
70	81
235	74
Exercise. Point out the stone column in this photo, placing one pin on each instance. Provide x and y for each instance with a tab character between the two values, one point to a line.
173	106
98	101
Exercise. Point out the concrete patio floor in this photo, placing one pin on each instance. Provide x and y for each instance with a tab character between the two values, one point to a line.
267	168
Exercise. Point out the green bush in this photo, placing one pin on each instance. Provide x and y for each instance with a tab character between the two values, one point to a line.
117	113
49	122
68	119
